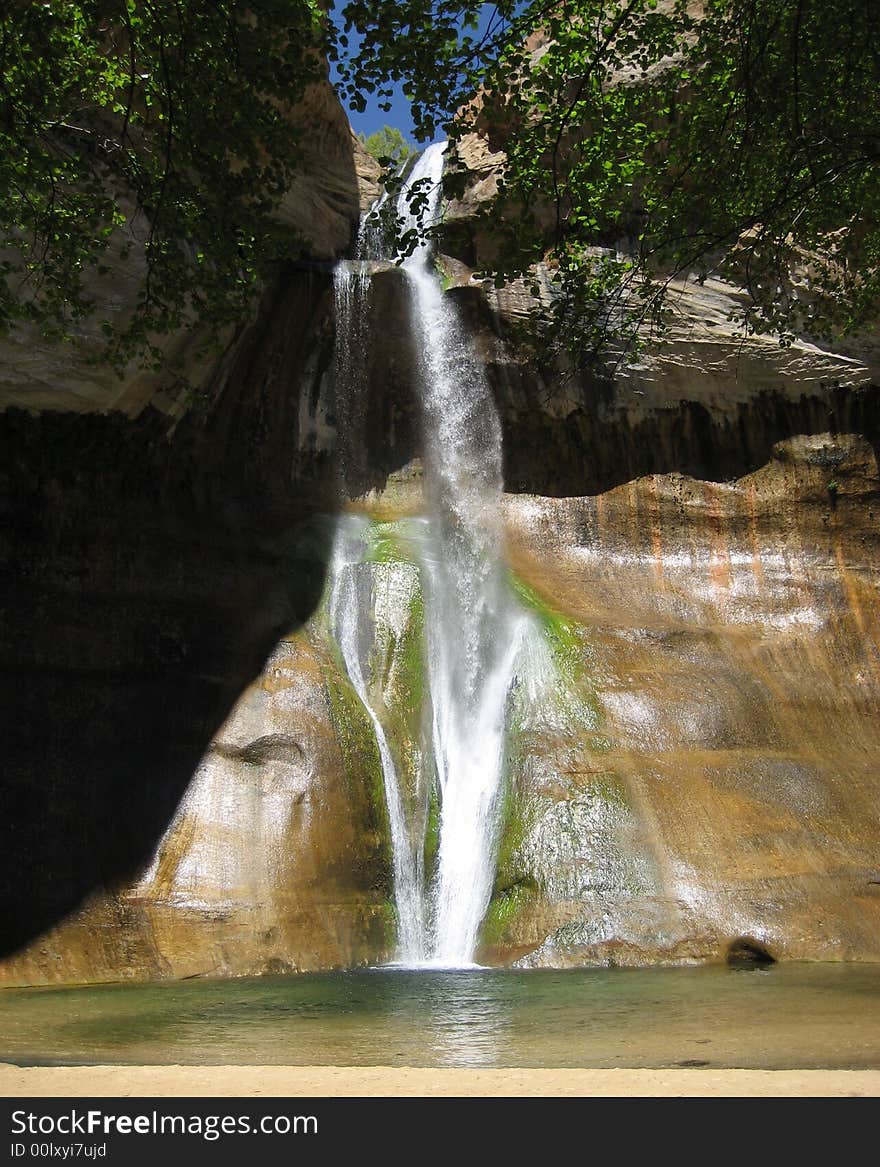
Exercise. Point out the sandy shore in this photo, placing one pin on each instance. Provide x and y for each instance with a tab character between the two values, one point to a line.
388	1081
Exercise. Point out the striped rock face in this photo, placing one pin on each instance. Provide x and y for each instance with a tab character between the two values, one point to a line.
726	636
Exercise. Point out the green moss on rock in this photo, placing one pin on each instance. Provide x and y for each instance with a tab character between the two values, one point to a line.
363	772
501	919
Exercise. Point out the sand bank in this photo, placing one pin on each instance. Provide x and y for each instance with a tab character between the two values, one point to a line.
388	1081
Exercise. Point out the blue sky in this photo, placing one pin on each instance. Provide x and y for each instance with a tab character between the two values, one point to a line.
373	118
399	116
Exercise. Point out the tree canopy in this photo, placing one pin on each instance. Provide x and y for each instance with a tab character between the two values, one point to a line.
642	139
388	146
646	140
158	122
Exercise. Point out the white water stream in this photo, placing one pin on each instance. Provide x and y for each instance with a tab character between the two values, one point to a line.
473	627
350	601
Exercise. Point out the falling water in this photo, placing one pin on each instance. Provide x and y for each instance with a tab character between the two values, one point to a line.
349	605
473	627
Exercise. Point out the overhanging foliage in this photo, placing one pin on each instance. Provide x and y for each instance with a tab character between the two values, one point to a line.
153	127
643	140
649	140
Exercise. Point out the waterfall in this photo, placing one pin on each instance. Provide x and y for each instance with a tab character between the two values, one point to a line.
473	627
470	620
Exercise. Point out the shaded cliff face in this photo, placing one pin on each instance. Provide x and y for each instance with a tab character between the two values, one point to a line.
151	567
191	786
148	578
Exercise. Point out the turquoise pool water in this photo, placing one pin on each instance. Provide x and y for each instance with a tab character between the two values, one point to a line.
786	1016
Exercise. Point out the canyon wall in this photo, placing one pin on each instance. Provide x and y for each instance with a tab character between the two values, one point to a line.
190	786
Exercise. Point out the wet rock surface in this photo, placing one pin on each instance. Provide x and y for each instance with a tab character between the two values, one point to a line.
727	635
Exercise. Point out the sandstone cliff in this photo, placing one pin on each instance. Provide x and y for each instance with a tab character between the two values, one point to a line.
193	789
